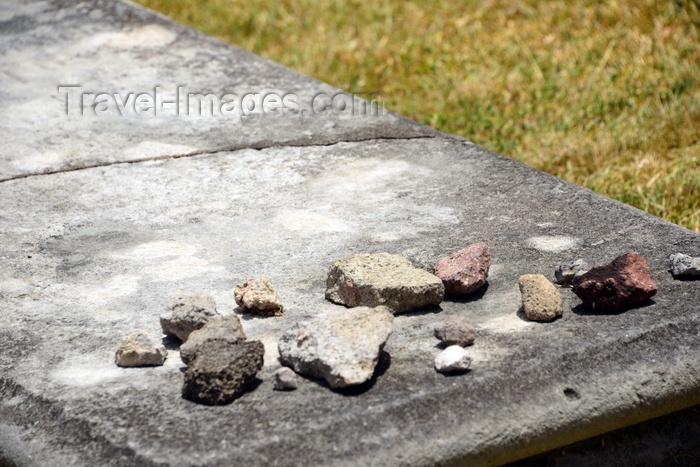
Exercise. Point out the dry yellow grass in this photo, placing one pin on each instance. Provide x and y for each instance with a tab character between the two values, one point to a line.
605	94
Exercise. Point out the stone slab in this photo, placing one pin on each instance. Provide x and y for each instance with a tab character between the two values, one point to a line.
92	255
112	47
95	248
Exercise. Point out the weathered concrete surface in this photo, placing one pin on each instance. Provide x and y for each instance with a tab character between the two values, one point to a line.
112	47
88	256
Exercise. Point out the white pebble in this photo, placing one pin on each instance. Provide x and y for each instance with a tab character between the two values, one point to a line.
453	358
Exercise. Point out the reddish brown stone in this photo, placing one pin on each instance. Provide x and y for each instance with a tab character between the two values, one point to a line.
465	271
623	283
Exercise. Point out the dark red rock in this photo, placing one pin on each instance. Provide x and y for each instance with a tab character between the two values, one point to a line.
465	271
623	283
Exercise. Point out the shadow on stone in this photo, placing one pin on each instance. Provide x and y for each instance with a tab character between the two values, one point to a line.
171	343
521	314
453	374
422	311
477	295
382	366
686	278
584	310
246	316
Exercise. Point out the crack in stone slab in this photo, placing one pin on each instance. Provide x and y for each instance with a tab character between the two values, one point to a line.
257	147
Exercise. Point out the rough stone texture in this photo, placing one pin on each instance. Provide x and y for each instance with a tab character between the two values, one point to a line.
541	299
187	313
453	359
140	350
623	283
382	279
465	271
684	265
343	349
89	255
257	296
565	272
225	328
222	371
455	330
286	379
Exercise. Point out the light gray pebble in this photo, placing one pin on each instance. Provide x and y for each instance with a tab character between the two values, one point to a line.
684	265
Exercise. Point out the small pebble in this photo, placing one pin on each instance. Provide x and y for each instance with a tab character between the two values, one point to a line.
286	379
455	330
187	313
140	350
684	265
452	359
564	273
541	299
257	296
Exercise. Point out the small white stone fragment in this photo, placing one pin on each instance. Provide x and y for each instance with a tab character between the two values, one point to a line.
286	379
140	350
452	359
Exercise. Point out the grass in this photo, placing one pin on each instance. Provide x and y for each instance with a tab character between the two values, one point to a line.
605	94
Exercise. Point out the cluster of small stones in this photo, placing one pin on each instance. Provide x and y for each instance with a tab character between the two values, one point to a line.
344	349
383	279
221	363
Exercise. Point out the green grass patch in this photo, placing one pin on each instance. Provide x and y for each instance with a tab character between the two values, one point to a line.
605	94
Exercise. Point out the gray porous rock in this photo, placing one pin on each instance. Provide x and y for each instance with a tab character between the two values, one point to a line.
465	271
342	349
257	296
453	359
455	330
224	328
286	379
622	284
541	299
684	265
382	279
140	350
222	371
187	313
564	273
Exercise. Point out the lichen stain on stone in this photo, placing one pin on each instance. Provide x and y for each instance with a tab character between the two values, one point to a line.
88	370
150	36
553	243
304	221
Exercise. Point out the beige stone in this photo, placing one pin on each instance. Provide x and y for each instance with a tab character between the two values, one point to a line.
541	299
140	350
257	296
382	279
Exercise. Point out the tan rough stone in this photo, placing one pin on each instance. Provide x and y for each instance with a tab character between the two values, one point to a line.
257	296
541	299
140	350
382	279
